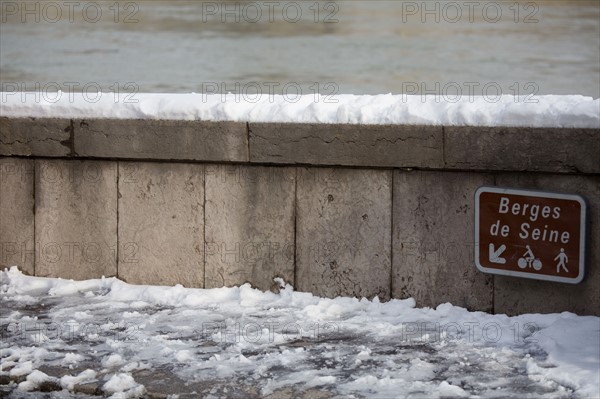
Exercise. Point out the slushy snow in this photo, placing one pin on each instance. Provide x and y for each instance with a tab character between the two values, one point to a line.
132	341
572	111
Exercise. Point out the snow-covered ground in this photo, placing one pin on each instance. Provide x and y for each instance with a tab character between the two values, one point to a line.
540	111
105	337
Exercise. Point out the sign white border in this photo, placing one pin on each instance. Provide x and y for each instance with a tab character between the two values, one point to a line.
542	194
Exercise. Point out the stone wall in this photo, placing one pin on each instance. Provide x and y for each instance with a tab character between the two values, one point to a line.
352	210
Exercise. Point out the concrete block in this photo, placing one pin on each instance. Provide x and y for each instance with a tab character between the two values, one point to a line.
343	232
249	225
433	240
161	223
515	296
16	214
523	149
352	145
44	137
76	219
159	139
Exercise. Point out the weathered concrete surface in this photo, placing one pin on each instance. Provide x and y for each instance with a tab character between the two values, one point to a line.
45	137
522	149
515	295
433	240
343	232
155	139
161	223
76	219
555	150
249	225
353	145
16	214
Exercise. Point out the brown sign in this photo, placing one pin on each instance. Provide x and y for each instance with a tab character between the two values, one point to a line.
530	234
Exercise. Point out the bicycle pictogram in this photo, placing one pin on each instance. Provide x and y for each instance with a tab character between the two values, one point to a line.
529	260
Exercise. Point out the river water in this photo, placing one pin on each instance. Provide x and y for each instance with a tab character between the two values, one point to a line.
343	47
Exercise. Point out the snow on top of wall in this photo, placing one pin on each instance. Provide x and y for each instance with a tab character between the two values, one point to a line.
541	111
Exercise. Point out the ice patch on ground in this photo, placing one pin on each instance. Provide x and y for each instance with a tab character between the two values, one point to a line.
122	386
451	391
72	358
112	361
243	342
68	381
34	380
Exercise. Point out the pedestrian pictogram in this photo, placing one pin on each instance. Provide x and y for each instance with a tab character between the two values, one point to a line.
530	234
562	260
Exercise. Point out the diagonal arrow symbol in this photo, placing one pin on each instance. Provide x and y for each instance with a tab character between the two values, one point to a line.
495	254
